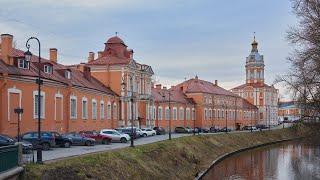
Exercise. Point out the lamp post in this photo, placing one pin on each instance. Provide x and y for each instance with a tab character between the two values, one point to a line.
131	87
226	109
19	111
194	122
251	119
169	98
28	56
269	117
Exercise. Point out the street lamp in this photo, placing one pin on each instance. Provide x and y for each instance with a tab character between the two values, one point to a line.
28	56
19	111
164	96
226	109
131	87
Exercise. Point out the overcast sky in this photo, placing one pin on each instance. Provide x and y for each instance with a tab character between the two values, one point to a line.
178	38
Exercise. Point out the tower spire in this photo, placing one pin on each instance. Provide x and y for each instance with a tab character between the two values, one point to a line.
254	43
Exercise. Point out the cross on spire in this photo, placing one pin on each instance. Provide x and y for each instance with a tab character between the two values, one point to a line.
254	36
116	33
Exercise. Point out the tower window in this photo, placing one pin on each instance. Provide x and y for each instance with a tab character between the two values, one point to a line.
67	74
47	69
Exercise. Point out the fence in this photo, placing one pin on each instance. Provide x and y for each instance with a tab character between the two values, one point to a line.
9	157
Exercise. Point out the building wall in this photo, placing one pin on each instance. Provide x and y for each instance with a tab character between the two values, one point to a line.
56	108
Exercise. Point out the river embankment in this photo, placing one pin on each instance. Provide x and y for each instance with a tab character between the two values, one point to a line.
181	158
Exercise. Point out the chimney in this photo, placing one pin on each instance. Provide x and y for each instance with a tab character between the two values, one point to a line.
87	72
158	86
216	82
6	48
164	87
100	54
53	53
91	56
80	67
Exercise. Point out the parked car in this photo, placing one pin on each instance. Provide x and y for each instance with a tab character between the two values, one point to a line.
201	130
78	139
188	129
225	129
62	141
261	126
159	130
128	131
180	130
99	138
7	140
115	135
214	129
148	132
249	128
47	140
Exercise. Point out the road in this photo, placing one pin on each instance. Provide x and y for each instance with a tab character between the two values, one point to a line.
60	153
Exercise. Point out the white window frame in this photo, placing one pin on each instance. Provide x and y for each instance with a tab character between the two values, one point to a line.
94	109
109	110
102	114
115	111
43	104
167	113
47	69
193	114
181	113
160	112
22	62
14	90
58	95
188	114
76	110
175	113
67	74
205	113
83	115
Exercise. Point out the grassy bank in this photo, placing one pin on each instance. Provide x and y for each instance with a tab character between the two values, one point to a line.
180	158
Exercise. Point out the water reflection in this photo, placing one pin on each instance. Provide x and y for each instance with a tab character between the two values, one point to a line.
290	160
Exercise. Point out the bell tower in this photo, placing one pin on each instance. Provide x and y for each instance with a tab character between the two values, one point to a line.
254	65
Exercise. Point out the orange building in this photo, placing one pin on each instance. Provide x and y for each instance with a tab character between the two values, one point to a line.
201	103
72	100
263	96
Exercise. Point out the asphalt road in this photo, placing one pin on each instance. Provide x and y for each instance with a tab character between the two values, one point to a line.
61	153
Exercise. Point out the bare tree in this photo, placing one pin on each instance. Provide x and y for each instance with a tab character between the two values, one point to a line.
303	78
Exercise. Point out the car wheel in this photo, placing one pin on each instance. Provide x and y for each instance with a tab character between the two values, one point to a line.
144	135
88	143
123	140
153	134
67	144
45	146
104	141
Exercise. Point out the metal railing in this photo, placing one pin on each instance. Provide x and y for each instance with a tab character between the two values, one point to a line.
9	157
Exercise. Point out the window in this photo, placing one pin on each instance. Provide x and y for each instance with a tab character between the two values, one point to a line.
188	113
181	113
35	104
167	113
23	64
47	69
205	114
159	113
94	109
214	114
73	107
67	74
84	108
154	113
193	114
109	110
175	113
210	113
101	110
115	111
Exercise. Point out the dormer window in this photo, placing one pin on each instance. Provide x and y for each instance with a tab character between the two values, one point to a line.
47	69
23	64
67	74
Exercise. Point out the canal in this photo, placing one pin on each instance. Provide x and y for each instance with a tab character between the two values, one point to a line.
294	160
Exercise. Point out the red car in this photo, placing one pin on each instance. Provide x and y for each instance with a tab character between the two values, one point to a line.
103	139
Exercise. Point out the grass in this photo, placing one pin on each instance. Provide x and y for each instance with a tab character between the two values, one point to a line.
180	158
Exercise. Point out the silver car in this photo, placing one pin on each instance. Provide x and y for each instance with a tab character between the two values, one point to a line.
115	135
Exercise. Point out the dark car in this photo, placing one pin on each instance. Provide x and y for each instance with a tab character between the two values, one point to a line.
214	129
180	130
99	138
77	139
159	130
201	130
47	139
225	129
61	140
128	131
261	126
7	140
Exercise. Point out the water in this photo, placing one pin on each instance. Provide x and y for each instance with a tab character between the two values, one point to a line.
296	160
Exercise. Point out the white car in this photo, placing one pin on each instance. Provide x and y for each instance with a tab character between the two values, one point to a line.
115	135
148	132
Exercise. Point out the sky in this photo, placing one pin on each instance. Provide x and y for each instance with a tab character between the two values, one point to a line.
178	38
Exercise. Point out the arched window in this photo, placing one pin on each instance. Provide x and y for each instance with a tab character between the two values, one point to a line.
181	113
